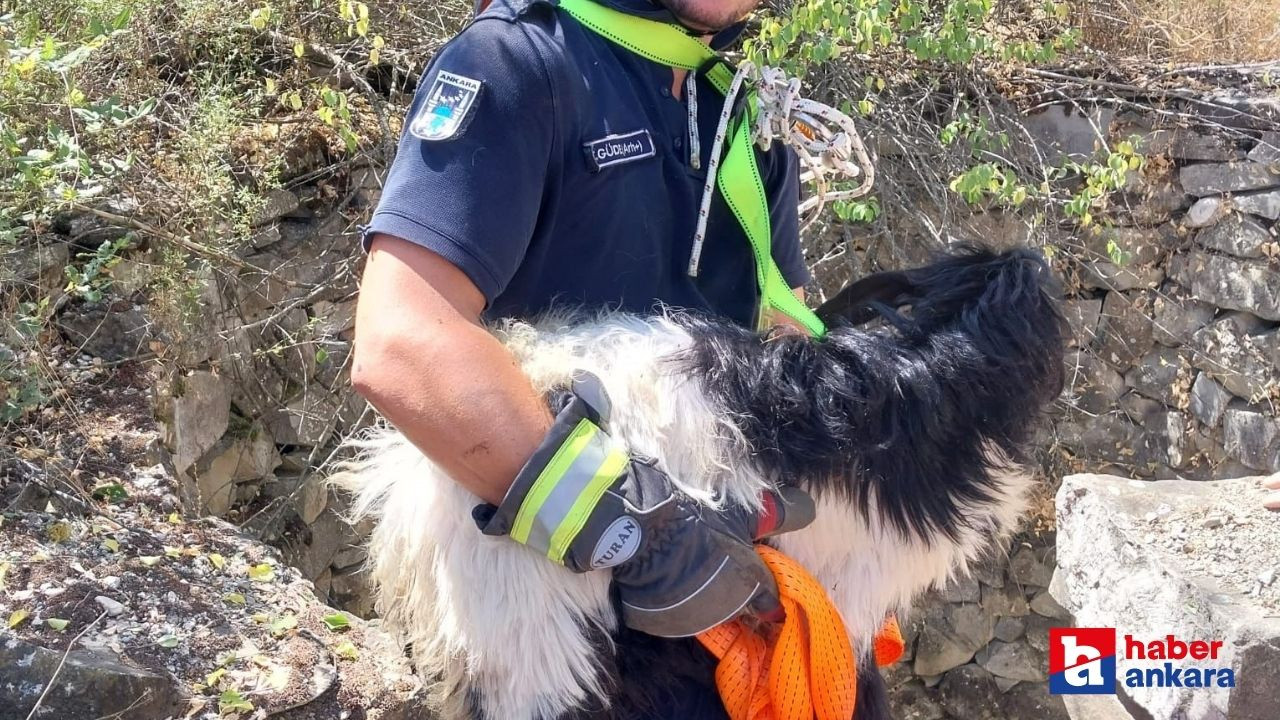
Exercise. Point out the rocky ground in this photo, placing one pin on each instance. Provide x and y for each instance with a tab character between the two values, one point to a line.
1197	560
1224	537
114	602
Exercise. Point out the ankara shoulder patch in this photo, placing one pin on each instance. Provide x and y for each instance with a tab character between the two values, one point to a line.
444	115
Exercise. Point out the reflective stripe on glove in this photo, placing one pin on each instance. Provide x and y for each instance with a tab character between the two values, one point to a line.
680	568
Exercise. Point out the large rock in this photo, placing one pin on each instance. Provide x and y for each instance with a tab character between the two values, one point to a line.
308	419
1031	567
1206	211
1094	384
278	203
1176	557
183	601
1106	275
1110	438
1252	437
1155	205
1061	131
1185	144
1136	246
38	270
950	636
1265	204
1124	329
1178	317
1163	375
1082	317
1244	363
969	692
195	417
89	685
1218	178
1015	661
112	331
236	460
1233	283
1237	235
1267	150
1208	400
1032	701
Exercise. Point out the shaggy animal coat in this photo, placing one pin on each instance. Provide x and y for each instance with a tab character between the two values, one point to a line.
909	434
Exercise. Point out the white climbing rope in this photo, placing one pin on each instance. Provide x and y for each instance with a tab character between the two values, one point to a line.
830	148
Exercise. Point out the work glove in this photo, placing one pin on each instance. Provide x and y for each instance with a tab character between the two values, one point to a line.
679	567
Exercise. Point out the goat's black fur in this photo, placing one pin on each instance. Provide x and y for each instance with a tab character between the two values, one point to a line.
906	414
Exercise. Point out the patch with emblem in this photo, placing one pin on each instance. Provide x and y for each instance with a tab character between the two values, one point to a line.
618	149
445	113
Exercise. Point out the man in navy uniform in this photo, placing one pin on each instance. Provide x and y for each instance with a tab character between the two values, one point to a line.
544	166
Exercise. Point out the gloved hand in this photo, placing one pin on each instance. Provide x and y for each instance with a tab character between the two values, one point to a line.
679	568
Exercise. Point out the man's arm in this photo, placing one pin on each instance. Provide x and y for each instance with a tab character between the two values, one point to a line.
424	361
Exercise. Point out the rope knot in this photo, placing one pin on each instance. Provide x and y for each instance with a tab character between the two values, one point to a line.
825	139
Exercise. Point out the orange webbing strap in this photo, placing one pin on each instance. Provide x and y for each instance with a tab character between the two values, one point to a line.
807	671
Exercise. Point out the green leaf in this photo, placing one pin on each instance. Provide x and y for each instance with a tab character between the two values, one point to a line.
149	560
231	701
59	531
233	598
347	651
16	617
111	544
284	624
111	492
168	641
212	678
57	624
262	572
217	560
337	621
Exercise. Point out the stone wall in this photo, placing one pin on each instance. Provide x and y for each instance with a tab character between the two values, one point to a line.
1173	372
254	393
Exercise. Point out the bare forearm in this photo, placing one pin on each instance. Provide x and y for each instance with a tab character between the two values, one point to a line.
444	381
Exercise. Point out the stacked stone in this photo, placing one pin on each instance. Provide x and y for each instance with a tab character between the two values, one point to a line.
260	403
977	649
255	391
1176	365
1173	372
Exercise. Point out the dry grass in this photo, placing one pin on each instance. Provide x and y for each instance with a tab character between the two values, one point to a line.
1182	31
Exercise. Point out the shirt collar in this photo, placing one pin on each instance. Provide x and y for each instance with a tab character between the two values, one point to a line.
651	10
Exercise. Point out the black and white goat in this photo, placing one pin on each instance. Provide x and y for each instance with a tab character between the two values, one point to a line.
910	435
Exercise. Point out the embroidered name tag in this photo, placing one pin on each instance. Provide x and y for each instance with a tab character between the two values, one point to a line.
618	149
448	104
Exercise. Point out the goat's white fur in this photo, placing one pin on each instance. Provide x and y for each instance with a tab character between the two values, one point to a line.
515	623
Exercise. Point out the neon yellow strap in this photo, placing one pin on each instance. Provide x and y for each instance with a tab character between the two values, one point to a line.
739	177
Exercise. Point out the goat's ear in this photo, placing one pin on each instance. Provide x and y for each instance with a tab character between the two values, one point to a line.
854	304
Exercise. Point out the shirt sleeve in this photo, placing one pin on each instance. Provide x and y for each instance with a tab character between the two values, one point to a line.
469	174
782	185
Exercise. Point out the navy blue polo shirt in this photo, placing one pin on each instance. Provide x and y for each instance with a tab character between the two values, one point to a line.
552	167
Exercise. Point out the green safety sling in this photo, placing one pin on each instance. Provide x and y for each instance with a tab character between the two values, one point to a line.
739	175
